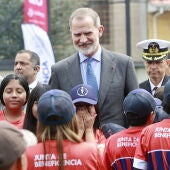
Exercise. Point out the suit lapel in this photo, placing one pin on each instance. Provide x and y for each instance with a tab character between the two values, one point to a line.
148	86
166	78
107	70
73	70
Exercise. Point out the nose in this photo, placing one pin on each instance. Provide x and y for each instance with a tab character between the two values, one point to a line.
14	93
153	64
17	66
83	38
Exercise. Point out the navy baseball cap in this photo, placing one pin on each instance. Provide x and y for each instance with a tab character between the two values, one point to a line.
55	107
109	129
140	102
84	93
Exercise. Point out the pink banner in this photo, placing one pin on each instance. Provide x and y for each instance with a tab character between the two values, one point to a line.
35	12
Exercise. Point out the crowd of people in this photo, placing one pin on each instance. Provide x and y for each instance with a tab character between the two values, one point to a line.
93	114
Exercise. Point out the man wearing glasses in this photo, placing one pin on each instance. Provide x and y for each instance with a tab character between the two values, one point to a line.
155	52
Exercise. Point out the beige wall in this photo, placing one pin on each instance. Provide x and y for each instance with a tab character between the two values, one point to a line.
162	25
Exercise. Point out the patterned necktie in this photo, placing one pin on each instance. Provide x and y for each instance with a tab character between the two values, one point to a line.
91	78
154	89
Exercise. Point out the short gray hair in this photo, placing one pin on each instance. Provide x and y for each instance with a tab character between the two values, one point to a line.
82	12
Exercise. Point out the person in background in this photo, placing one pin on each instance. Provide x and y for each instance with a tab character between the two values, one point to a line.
27	64
168	67
14	93
160	114
154	146
12	148
139	106
60	147
31	116
111	74
155	52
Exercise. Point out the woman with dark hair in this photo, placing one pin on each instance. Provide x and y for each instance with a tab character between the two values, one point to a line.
14	93
30	121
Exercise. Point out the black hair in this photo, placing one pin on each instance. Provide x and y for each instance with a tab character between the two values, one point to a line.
30	121
133	119
22	81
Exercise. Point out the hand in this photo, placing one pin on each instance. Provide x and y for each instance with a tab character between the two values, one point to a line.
80	113
89	117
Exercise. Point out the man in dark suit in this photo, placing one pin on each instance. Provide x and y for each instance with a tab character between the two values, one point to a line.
27	64
114	73
155	53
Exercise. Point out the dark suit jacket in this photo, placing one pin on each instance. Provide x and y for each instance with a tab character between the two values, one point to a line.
146	85
118	77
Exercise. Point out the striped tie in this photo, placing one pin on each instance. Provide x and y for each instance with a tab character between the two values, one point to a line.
91	78
154	90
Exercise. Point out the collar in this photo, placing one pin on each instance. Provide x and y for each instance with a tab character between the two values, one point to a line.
96	56
152	85
33	84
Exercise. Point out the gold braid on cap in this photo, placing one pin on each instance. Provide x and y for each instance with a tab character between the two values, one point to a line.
154	52
154	58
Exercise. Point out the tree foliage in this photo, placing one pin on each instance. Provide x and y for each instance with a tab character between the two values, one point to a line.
10	30
11	17
59	27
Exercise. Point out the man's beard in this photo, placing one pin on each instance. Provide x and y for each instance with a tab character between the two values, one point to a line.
87	51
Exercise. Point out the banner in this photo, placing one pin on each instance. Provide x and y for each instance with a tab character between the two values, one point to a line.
35	12
35	35
36	39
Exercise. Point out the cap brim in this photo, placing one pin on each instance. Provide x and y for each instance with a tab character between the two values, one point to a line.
90	101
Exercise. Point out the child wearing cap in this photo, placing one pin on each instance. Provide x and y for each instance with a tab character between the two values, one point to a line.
85	99
154	146
120	147
155	52
60	146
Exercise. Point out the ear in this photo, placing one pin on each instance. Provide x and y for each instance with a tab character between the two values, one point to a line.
168	61
151	118
101	30
37	68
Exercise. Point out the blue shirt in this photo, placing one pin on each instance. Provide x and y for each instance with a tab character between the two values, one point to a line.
96	65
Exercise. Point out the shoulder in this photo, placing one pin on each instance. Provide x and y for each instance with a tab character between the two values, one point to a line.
115	55
88	145
150	129
143	83
64	62
116	136
31	150
166	78
43	86
2	117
